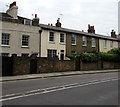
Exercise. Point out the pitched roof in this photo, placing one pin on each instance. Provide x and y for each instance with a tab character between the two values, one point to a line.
60	29
6	17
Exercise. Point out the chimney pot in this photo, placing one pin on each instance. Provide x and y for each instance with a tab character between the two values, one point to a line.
113	34
58	24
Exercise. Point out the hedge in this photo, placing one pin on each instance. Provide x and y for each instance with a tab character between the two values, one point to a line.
112	55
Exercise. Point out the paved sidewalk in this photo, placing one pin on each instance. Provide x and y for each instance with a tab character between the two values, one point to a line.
57	74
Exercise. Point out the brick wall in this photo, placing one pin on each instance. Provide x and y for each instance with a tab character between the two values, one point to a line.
21	65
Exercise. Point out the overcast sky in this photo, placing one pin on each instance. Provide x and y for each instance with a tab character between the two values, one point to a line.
74	14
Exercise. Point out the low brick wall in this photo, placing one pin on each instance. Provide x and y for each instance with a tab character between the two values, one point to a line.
84	66
66	65
47	64
111	65
22	65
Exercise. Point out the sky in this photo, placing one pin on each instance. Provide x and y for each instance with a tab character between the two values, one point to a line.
73	14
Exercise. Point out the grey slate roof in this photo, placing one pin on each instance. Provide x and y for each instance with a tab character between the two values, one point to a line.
60	29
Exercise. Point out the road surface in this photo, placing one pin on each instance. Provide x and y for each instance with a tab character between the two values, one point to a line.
89	89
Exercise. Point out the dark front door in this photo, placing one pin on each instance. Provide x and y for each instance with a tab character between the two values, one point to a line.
7	66
33	66
62	55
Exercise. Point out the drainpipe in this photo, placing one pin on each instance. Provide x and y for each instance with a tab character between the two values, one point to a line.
40	31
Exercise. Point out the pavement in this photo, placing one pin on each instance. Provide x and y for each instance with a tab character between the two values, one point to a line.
55	74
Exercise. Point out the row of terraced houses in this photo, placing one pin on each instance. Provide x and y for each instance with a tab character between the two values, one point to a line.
23	37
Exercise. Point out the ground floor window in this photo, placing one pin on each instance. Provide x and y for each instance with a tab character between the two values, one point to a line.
51	53
25	54
5	54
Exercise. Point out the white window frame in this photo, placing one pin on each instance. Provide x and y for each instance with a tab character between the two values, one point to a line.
5	54
74	39
27	41
62	38
105	44
93	42
27	22
50	36
51	53
111	44
84	41
5	41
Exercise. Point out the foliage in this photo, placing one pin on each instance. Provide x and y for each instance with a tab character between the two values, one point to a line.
112	55
115	51
89	57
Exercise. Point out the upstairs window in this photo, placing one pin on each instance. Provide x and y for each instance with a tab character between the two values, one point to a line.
27	22
62	38
111	44
5	39
73	39
84	41
25	41
93	42
51	37
105	43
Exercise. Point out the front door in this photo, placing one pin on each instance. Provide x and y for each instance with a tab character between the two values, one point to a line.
62	55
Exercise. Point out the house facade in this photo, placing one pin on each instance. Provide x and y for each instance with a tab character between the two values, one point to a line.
19	35
53	42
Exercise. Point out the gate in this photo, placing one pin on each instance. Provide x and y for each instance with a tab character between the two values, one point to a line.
33	64
7	66
77	64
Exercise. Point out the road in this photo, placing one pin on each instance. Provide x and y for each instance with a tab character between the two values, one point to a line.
89	89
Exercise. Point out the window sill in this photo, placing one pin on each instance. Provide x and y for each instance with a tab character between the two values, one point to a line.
105	47
25	47
62	43
93	46
74	44
51	42
8	46
84	45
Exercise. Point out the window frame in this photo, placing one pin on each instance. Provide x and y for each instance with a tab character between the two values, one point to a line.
53	38
111	44
27	22
51	53
5	54
27	42
62	39
84	41
93	42
105	44
5	41
74	39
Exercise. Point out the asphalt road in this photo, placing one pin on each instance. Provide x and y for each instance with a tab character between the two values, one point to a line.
89	89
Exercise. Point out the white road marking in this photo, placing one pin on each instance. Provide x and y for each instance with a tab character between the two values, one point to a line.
54	89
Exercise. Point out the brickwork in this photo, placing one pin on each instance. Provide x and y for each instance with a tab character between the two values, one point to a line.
22	65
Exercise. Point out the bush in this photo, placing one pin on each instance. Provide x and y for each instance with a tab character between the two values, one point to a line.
89	57
110	57
115	51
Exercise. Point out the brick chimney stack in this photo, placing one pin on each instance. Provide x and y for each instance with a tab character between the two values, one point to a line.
91	29
35	21
13	10
58	24
113	34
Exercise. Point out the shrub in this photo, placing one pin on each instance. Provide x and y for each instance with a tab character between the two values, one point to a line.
115	51
89	57
110	57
